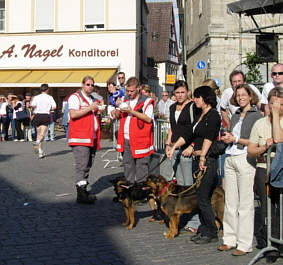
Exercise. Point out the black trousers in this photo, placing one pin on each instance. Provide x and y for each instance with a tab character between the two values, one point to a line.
18	126
260	190
204	194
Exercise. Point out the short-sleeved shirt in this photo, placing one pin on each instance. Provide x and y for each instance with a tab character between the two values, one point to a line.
226	96
207	128
148	112
265	91
163	107
43	103
75	103
261	131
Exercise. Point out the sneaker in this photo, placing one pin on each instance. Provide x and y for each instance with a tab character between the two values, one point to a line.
41	155
35	147
15	140
22	140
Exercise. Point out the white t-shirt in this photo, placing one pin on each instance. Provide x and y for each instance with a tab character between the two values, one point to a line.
164	107
75	102
3	106
233	149
148	112
265	91
43	103
226	96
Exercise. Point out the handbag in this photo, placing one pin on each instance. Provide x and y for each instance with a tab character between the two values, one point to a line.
217	148
21	115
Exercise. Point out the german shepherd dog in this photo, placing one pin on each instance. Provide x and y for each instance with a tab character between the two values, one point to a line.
176	200
129	195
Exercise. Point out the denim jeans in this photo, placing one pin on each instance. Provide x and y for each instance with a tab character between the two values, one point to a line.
51	128
8	121
182	167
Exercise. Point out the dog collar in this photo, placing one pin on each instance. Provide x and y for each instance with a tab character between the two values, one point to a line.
164	189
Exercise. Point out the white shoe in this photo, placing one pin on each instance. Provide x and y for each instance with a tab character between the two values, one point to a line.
41	155
22	140
16	140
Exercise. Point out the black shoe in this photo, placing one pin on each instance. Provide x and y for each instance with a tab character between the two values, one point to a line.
206	240
196	237
271	256
261	243
83	196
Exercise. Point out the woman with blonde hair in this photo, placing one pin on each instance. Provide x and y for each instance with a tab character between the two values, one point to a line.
215	88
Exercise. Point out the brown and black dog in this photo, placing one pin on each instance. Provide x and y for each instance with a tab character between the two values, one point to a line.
129	195
174	203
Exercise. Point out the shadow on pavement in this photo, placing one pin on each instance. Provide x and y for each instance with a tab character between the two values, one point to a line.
36	232
5	157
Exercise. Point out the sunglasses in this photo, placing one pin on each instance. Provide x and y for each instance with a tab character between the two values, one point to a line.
90	85
277	73
121	77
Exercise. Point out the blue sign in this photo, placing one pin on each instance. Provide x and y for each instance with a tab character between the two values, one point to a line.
217	81
201	64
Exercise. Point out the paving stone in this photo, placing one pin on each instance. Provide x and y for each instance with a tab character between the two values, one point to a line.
40	222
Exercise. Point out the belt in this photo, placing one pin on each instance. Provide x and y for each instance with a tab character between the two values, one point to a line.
261	159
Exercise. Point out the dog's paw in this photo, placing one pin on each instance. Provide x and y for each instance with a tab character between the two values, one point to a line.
169	235
126	223
161	222
152	219
129	227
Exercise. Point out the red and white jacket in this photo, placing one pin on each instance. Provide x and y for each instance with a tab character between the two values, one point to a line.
140	132
81	130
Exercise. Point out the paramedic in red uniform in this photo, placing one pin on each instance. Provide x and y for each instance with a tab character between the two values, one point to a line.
135	136
84	136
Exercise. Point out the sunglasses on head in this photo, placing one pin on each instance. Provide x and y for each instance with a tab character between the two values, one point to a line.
277	73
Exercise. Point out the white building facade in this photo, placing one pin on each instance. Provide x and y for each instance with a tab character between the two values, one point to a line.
60	41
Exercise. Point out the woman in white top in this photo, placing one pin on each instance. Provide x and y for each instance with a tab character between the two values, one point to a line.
3	117
42	104
239	169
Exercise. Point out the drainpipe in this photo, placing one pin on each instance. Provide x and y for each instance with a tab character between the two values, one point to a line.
240	41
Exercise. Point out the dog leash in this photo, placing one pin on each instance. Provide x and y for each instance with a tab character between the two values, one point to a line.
198	178
161	161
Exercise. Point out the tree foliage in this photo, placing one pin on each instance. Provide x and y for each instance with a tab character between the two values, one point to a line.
252	62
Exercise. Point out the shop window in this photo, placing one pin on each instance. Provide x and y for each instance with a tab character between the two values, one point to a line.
94	14
44	15
2	15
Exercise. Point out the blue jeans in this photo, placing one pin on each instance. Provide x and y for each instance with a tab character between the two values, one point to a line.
182	167
67	131
51	128
8	121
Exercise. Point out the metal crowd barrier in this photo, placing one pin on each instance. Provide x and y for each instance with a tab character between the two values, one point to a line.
160	132
270	238
115	127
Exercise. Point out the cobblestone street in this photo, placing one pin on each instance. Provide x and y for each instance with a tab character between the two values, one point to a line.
41	223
